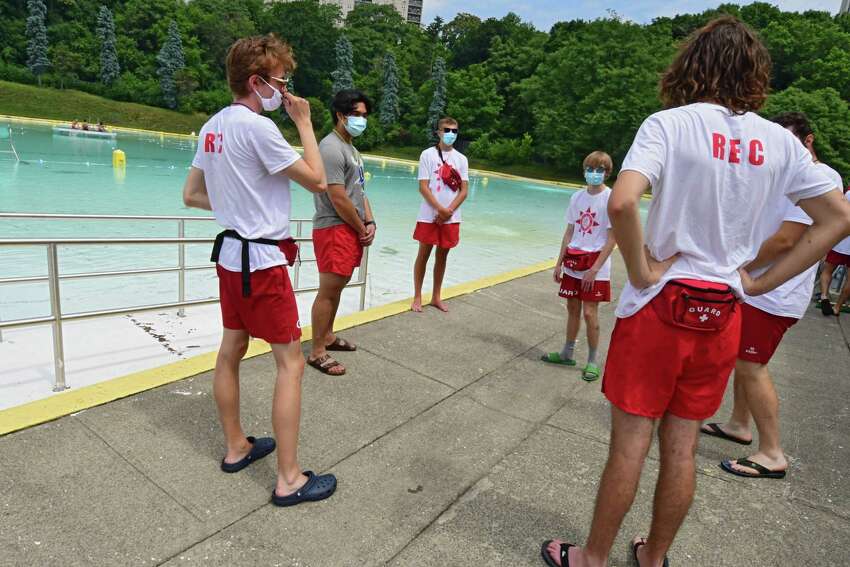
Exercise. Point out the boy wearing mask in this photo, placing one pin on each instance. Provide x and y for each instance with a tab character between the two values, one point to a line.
444	184
583	267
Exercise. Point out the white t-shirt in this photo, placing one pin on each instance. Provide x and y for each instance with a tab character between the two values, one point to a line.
842	247
242	154
791	298
714	174
589	216
429	166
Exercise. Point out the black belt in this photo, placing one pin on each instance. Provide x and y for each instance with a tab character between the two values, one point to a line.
246	261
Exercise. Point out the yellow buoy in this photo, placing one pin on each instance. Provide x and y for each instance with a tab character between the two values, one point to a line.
412	169
485	181
119	159
383	164
367	175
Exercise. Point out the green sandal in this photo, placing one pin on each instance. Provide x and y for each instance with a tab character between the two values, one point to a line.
590	373
555	358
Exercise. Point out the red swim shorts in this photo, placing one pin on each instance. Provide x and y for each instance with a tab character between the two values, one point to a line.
761	333
571	289
439	235
338	249
654	367
269	313
838	259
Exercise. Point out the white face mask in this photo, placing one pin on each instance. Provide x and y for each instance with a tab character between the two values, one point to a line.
273	103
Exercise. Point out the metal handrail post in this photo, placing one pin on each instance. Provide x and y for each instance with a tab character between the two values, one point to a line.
296	269
56	313
363	273
181	262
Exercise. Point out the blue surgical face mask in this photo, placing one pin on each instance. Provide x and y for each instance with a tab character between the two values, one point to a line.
449	138
594	177
355	125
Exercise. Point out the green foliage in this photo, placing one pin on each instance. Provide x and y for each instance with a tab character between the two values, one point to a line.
37	60
109	67
389	99
342	75
437	108
171	62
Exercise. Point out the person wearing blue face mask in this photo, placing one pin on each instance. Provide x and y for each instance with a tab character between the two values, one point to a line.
584	266
443	184
342	226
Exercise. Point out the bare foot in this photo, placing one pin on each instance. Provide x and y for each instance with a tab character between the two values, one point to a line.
643	554
438	303
285	488
236	454
772	464
416	307
575	555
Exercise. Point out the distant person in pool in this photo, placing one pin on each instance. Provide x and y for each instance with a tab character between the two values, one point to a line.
716	169
342	226
444	185
242	172
584	265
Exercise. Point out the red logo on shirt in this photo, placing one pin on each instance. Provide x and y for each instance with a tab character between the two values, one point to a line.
209	143
586	221
719	144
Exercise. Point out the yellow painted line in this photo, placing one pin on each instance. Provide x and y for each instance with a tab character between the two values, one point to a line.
71	401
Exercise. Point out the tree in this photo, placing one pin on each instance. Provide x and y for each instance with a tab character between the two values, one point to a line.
438	103
109	67
474	100
389	100
342	76
170	60
37	60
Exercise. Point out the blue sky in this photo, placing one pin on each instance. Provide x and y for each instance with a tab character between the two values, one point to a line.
544	13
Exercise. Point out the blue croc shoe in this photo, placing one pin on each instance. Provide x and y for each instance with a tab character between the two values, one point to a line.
261	447
317	487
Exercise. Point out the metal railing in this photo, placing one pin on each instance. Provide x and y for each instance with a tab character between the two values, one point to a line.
54	277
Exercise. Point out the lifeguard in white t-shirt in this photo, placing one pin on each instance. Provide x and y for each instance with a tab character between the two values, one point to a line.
583	267
241	172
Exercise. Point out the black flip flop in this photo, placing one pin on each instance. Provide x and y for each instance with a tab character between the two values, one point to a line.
565	554
717	432
325	363
763	471
260	448
636	544
826	307
317	487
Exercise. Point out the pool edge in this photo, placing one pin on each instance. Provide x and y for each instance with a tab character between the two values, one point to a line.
66	403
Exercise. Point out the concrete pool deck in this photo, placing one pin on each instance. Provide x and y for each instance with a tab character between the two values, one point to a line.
453	446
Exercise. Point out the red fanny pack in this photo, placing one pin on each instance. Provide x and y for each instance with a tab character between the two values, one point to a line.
579	260
290	250
696	305
448	174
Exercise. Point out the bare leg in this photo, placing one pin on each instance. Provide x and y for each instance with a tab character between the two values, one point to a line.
439	273
826	279
419	275
331	336
843	296
324	310
674	490
573	318
591	321
286	416
234	345
739	423
631	436
764	404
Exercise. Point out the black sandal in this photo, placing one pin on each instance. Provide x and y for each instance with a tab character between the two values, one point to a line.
565	554
761	470
636	545
715	431
325	364
341	345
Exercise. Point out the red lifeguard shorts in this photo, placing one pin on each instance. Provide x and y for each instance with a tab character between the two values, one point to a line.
838	259
269	313
338	249
654	367
571	289
761	333
440	235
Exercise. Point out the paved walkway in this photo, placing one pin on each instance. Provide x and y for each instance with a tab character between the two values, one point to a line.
454	446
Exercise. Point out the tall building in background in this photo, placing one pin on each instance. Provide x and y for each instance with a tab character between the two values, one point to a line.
845	7
409	9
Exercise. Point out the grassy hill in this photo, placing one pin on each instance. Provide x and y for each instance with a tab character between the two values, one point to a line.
44	102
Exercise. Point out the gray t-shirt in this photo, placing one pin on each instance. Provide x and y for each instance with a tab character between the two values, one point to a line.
343	166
